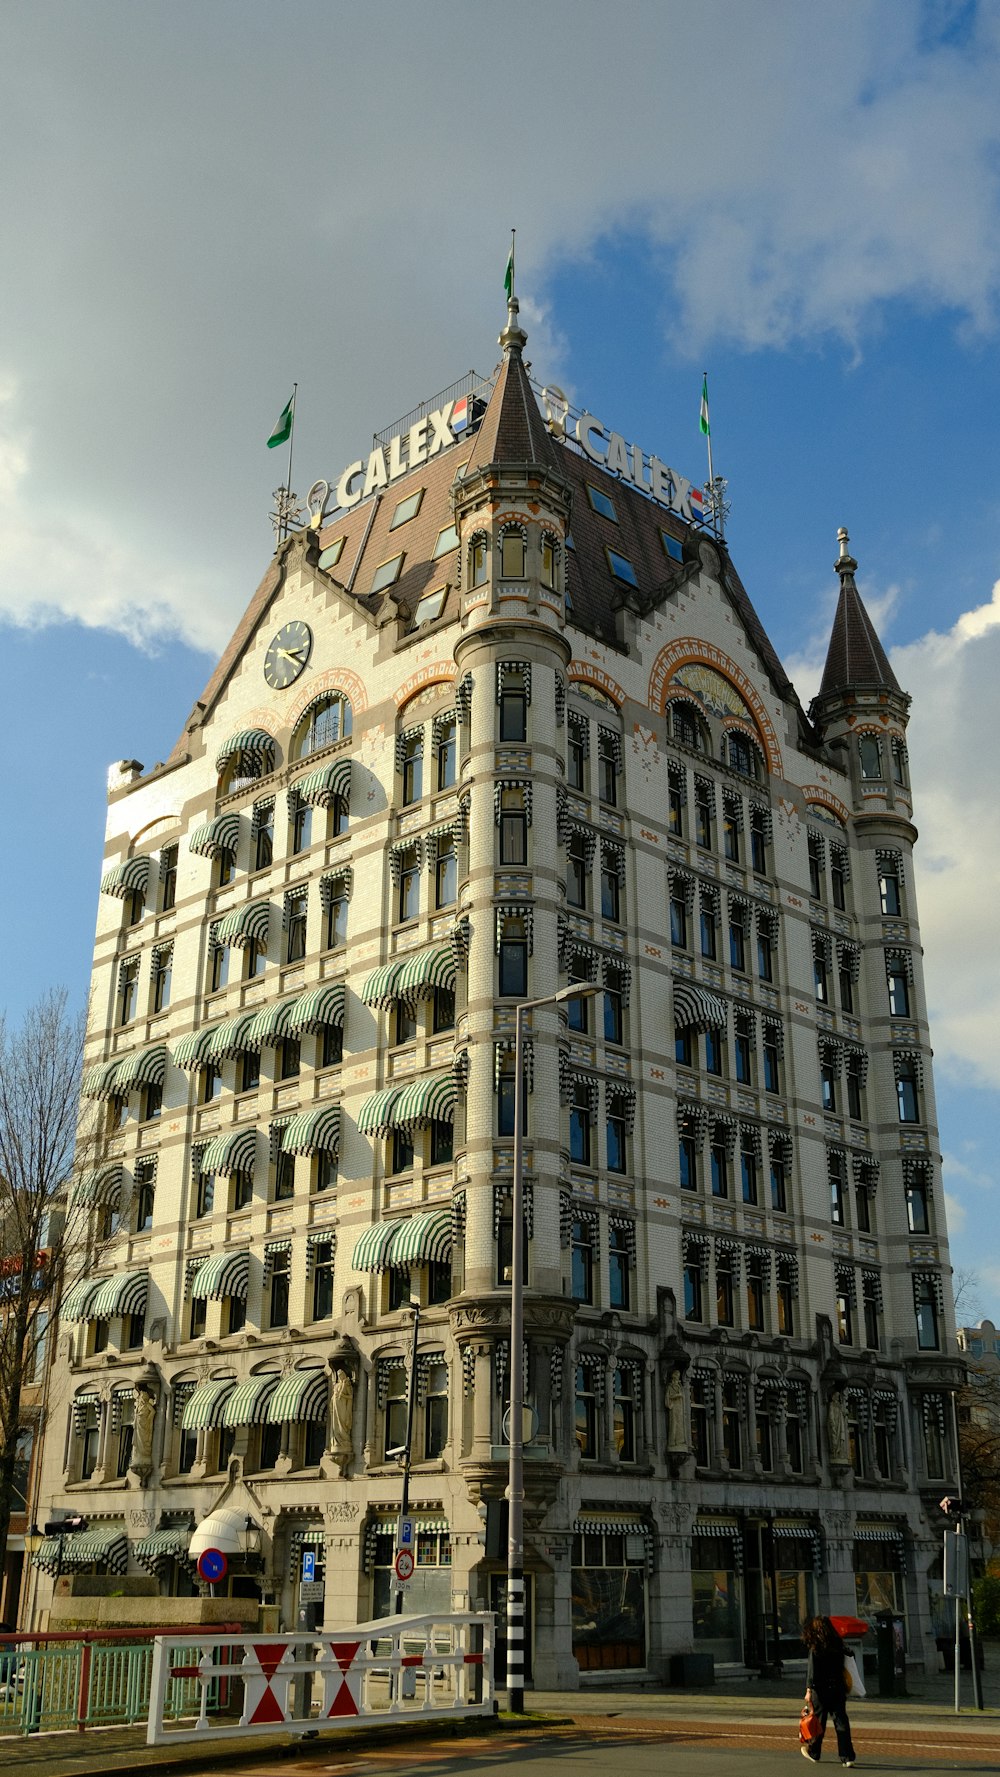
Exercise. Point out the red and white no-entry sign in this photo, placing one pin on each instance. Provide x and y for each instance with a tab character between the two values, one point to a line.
404	1565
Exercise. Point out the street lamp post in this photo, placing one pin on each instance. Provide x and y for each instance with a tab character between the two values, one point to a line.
515	1477
411	1399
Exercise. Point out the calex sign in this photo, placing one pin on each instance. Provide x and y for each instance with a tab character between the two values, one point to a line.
423	440
610	451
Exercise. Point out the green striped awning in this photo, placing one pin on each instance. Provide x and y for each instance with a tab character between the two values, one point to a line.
123	1294
100	1188
216	837
371	1249
106	1547
313	1132
247	1405
422	1240
205	1407
130	878
418	975
99	1081
271	1025
162	1546
319	1008
376	1116
249	924
380	987
695	1008
195	1050
236	1151
148	1067
222	1275
233	1037
302	1395
321	788
254	742
75	1301
430	1099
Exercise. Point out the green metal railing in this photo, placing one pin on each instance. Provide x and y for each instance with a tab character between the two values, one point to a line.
92	1679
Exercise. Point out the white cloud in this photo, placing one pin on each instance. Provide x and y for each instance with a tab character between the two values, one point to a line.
956	1214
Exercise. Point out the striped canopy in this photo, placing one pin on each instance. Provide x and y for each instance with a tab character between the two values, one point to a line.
99	1081
104	1546
430	1099
162	1546
380	987
216	837
195	1050
122	1294
697	1009
319	1008
148	1067
313	1132
249	924
101	1188
302	1395
417	976
247	1405
236	1151
233	1037
75	1301
254	742
130	878
422	1240
321	788
271	1025
222	1275
205	1407
376	1116
371	1249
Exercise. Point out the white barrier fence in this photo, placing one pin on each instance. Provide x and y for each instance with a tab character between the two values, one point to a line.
396	1668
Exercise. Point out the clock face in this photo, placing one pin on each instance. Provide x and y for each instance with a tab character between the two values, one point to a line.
287	655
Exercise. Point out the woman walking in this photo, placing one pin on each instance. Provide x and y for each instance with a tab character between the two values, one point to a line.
826	1687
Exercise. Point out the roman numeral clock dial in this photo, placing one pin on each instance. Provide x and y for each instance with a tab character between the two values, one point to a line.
287	655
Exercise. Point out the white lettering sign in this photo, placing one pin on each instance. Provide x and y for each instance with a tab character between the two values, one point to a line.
610	451
424	439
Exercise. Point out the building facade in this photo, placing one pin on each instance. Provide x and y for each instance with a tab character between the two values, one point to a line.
501	720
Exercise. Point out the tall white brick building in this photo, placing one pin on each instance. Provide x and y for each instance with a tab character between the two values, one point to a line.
503	718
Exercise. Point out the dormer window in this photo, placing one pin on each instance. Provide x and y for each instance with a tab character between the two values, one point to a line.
406	509
602	503
621	567
387	573
447	541
672	546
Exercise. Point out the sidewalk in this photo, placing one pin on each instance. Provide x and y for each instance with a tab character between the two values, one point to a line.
764	1702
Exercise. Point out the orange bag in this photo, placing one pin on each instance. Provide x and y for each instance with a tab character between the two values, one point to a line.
810	1726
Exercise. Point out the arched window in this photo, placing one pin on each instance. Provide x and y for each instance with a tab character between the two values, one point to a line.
478	559
550	559
870	752
686	726
741	753
326	720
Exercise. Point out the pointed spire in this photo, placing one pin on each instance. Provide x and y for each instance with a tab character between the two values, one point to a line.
513	339
855	657
513	430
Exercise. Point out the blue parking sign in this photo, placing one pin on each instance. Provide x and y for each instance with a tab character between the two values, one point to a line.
308	1566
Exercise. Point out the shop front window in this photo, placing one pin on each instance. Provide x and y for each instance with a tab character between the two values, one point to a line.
609	1601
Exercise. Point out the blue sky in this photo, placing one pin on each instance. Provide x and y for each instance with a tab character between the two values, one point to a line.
203	205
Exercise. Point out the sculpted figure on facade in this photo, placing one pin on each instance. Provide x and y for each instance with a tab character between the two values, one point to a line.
836	1427
677	1434
143	1422
342	1418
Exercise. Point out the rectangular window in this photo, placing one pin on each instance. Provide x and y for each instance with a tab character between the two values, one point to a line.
145	1191
724	1298
917	1211
719	1170
577	870
435	1410
301	835
872	1341
135	907
295	926
264	837
409	891
443	1016
407	509
249	1071
828	1086
675	811
579	1126
708	943
284	1176
820	979
150	1103
854	1104
755	1298
386	574
128	989
703	819
772	1065
624	1413
688	1163
906	1094
168	878
862	1210
621	567
513	709
732	1416
447	753
765	956
225	868
748	1175
211	1083
582	1261
838	1189
845	1318
615	1137
576	758
242	1190
446	542
618	1268
512	555
692	1291
613	1027
513	962
204	1193
737	946
786	1308
610	895
838	879
218	967
586	1411
198	1318
846	991
289	1059
601	502
925	1307
743	1058
683	1048
322	1293
513	828
442	1143
413	767
336	922
730	839
324	1172
713	1052
815	869
678	922
402	1150
889	895
758	842
281	1271
162	974
607	767
899	993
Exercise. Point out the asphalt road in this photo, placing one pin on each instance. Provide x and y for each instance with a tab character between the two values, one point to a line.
754	1749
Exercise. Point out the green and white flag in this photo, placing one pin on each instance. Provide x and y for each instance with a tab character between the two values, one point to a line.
508	276
282	430
703	416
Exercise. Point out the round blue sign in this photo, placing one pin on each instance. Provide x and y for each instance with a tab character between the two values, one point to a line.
212	1565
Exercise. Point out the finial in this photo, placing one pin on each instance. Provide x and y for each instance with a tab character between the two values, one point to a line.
845	563
513	339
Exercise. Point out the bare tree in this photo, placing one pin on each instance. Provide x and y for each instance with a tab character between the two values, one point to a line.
39	1135
965	1288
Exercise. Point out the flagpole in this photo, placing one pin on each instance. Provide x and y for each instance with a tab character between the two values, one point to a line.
708	436
291	437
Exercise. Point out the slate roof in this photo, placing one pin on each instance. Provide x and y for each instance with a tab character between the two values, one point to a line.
856	658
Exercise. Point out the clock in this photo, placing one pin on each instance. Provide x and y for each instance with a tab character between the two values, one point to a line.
287	655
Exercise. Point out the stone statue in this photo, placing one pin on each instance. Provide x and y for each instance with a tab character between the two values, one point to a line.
342	1418
677	1438
836	1427
143	1420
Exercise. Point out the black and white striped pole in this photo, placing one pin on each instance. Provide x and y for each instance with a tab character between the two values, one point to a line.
515	1478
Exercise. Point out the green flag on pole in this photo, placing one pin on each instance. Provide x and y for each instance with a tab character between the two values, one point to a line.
508	276
703	416
282	430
